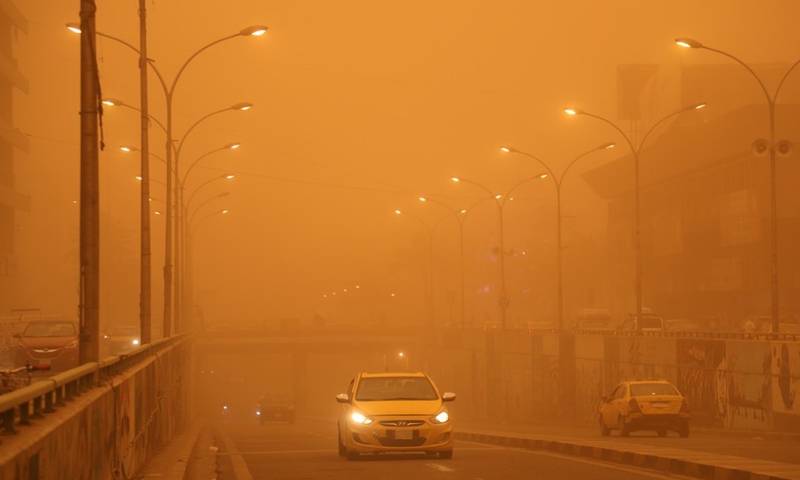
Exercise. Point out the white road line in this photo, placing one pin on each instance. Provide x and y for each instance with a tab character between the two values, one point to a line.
276	452
239	467
439	467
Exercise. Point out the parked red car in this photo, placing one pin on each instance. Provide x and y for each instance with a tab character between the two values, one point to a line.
51	342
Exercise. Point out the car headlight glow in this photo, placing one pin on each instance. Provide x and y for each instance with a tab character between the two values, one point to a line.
136	342
360	418
441	417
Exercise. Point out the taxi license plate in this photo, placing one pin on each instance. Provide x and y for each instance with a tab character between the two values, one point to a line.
404	434
659	404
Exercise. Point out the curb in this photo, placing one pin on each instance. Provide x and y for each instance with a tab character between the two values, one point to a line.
171	462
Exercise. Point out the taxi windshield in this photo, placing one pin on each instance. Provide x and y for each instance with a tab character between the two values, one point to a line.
395	388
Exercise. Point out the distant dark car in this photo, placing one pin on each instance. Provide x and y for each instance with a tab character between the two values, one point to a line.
51	342
275	407
123	339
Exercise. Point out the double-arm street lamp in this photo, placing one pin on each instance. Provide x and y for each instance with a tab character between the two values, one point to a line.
459	216
429	231
636	150
501	200
180	230
558	181
782	146
192	229
176	151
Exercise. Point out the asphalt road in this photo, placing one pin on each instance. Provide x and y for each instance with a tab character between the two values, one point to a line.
307	450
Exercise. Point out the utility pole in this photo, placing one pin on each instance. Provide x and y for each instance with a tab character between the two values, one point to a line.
89	196
145	294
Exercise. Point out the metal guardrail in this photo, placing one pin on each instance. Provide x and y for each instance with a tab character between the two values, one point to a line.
45	395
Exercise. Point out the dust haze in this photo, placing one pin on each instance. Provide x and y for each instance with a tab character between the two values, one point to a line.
360	108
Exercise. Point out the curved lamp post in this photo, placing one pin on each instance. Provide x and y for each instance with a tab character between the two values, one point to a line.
429	231
636	151
782	145
169	91
185	245
190	246
504	300
460	220
558	181
180	230
176	149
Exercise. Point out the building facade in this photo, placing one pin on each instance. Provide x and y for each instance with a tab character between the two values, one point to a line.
13	146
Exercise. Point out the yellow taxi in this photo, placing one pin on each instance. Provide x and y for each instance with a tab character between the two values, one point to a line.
644	405
394	412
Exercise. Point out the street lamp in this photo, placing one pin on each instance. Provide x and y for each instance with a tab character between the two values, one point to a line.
169	91
179	231
558	181
190	243
783	146
429	231
636	151
460	220
504	300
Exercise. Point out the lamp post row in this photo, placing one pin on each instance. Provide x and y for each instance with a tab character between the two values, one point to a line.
635	149
783	146
169	90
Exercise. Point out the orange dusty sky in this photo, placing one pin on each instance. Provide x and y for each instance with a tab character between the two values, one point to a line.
359	107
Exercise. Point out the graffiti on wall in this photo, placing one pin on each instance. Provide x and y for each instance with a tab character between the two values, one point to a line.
786	372
589	388
643	357
749	378
698	362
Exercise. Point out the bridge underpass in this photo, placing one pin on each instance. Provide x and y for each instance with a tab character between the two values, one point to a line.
235	368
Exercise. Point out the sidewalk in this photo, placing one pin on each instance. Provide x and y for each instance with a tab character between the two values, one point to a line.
171	463
673	460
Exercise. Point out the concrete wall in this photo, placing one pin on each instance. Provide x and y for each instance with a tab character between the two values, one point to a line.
111	430
748	384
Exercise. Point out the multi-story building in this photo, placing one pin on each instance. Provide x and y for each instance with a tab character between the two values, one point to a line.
13	144
705	200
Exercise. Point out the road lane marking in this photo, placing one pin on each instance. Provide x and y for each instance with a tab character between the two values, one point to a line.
276	452
239	467
439	467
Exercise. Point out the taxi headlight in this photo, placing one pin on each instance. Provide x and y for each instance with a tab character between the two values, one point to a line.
441	417
360	418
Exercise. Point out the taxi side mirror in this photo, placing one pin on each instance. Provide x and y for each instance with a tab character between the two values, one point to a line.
343	398
448	396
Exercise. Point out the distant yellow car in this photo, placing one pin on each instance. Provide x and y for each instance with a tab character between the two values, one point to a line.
644	405
394	412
